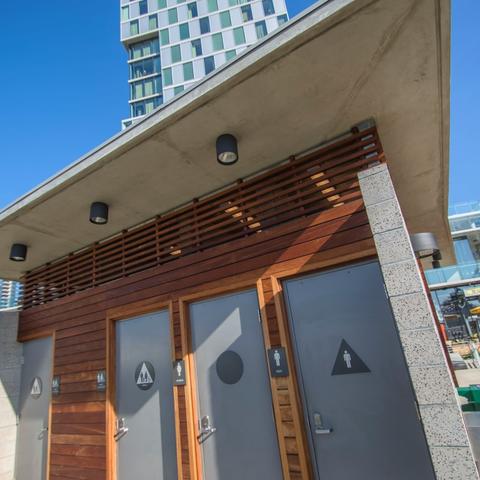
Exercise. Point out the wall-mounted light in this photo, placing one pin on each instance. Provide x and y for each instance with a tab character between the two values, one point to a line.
101	380
425	245
18	252
227	149
436	257
99	213
56	385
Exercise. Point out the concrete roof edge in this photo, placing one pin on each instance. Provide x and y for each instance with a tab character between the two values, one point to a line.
311	23
443	12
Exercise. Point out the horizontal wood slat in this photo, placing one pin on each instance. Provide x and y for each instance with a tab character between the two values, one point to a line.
312	183
257	251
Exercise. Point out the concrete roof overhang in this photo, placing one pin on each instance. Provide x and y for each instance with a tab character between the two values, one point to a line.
339	63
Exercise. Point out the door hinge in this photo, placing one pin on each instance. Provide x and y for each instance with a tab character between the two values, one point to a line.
259	316
385	290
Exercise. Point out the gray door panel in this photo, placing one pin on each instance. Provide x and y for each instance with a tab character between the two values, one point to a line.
244	444
147	451
32	440
354	378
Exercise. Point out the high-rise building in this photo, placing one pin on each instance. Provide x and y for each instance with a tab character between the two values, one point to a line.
9	294
172	44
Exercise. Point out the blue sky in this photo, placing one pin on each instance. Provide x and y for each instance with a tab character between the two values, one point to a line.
64	85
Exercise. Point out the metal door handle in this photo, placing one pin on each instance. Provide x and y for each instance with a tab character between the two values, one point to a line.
206	429
120	429
320	428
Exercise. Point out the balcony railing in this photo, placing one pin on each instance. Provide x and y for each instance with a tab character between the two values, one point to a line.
454	274
465	224
462	208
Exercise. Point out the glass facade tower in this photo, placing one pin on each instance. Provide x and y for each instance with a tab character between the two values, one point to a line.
172	44
10	293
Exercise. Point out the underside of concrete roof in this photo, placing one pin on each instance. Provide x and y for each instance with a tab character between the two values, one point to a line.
339	63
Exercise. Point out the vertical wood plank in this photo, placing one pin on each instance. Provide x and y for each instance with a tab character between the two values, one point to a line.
273	383
189	393
176	400
49	444
110	409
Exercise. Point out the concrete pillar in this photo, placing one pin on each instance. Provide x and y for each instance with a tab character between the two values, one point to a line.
434	389
10	373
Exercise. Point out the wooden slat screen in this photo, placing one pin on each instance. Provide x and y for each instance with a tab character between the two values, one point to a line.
323	179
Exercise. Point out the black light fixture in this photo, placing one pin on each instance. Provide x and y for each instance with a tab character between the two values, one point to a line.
436	257
99	213
18	252
101	380
56	385
227	149
425	245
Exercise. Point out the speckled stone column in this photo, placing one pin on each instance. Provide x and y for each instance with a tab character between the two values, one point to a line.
434	389
10	373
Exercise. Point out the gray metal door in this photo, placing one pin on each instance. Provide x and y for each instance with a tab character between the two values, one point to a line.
360	407
145	430
35	388
238	434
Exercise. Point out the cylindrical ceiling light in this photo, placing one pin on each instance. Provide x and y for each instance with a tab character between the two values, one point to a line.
227	149
425	245
18	252
99	213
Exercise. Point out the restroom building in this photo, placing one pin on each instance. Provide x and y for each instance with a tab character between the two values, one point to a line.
227	290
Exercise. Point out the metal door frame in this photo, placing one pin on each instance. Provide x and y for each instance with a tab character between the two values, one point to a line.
190	368
277	280
113	316
52	335
293	345
300	376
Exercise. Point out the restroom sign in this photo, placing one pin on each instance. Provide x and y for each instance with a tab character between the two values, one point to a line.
36	387
144	375
277	360
179	377
347	361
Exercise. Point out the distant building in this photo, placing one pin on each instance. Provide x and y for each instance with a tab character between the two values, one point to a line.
10	293
172	44
464	220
